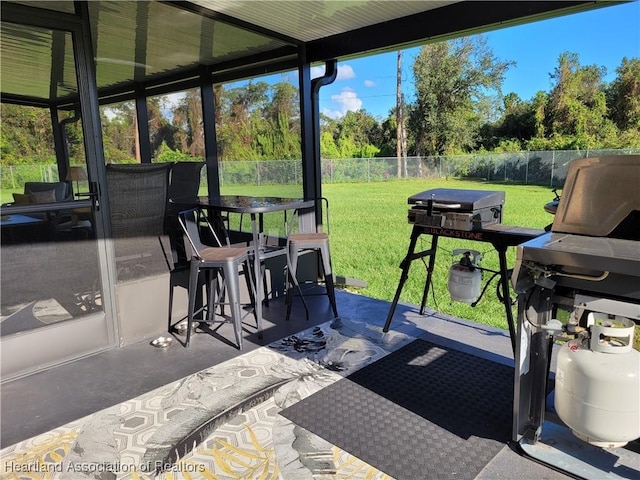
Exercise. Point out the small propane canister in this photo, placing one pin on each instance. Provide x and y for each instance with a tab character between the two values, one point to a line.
465	279
598	383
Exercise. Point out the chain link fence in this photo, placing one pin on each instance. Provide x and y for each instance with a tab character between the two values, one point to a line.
537	168
548	168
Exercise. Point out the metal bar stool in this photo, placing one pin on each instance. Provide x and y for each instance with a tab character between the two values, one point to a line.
298	243
215	262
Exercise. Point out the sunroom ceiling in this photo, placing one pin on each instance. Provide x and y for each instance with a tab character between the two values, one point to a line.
312	20
142	41
151	44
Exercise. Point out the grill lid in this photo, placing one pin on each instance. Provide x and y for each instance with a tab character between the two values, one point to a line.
601	198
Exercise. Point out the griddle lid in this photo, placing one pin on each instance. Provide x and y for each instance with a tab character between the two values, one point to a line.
462	199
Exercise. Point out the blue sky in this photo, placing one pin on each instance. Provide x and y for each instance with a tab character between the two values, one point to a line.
600	37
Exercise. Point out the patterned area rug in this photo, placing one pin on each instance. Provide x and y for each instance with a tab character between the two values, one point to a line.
422	412
222	422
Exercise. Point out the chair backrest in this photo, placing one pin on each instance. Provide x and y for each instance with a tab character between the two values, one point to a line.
291	225
191	221
326	210
137	198
185	179
60	190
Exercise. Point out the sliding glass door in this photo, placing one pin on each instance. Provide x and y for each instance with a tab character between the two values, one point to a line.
55	301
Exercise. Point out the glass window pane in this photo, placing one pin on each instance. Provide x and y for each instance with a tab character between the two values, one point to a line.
119	132
49	262
259	139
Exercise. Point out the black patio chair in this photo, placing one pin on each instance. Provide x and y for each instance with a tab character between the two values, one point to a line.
184	181
138	198
137	203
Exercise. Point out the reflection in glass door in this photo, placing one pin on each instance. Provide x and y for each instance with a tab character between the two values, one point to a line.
52	302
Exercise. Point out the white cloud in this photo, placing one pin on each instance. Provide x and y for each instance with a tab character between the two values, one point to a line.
369	83
347	100
332	113
345	72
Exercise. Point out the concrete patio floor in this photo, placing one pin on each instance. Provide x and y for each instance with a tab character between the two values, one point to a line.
49	404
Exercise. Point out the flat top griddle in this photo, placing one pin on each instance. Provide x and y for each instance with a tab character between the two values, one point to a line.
468	200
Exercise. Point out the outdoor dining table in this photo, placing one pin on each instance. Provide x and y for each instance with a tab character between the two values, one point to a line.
255	207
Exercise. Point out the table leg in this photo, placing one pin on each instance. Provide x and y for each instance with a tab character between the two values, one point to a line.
257	271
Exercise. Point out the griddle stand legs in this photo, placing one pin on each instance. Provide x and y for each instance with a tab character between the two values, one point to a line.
406	264
411	256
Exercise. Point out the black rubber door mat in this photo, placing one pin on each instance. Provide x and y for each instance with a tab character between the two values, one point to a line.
422	412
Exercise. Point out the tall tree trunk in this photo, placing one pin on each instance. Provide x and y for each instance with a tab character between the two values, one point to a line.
401	137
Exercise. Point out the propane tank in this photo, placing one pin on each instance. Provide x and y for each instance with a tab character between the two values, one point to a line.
597	383
465	279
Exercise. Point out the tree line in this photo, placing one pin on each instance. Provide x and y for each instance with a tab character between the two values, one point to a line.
458	108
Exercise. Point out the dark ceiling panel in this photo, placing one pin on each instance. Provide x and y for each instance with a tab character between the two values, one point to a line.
145	41
31	53
114	33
